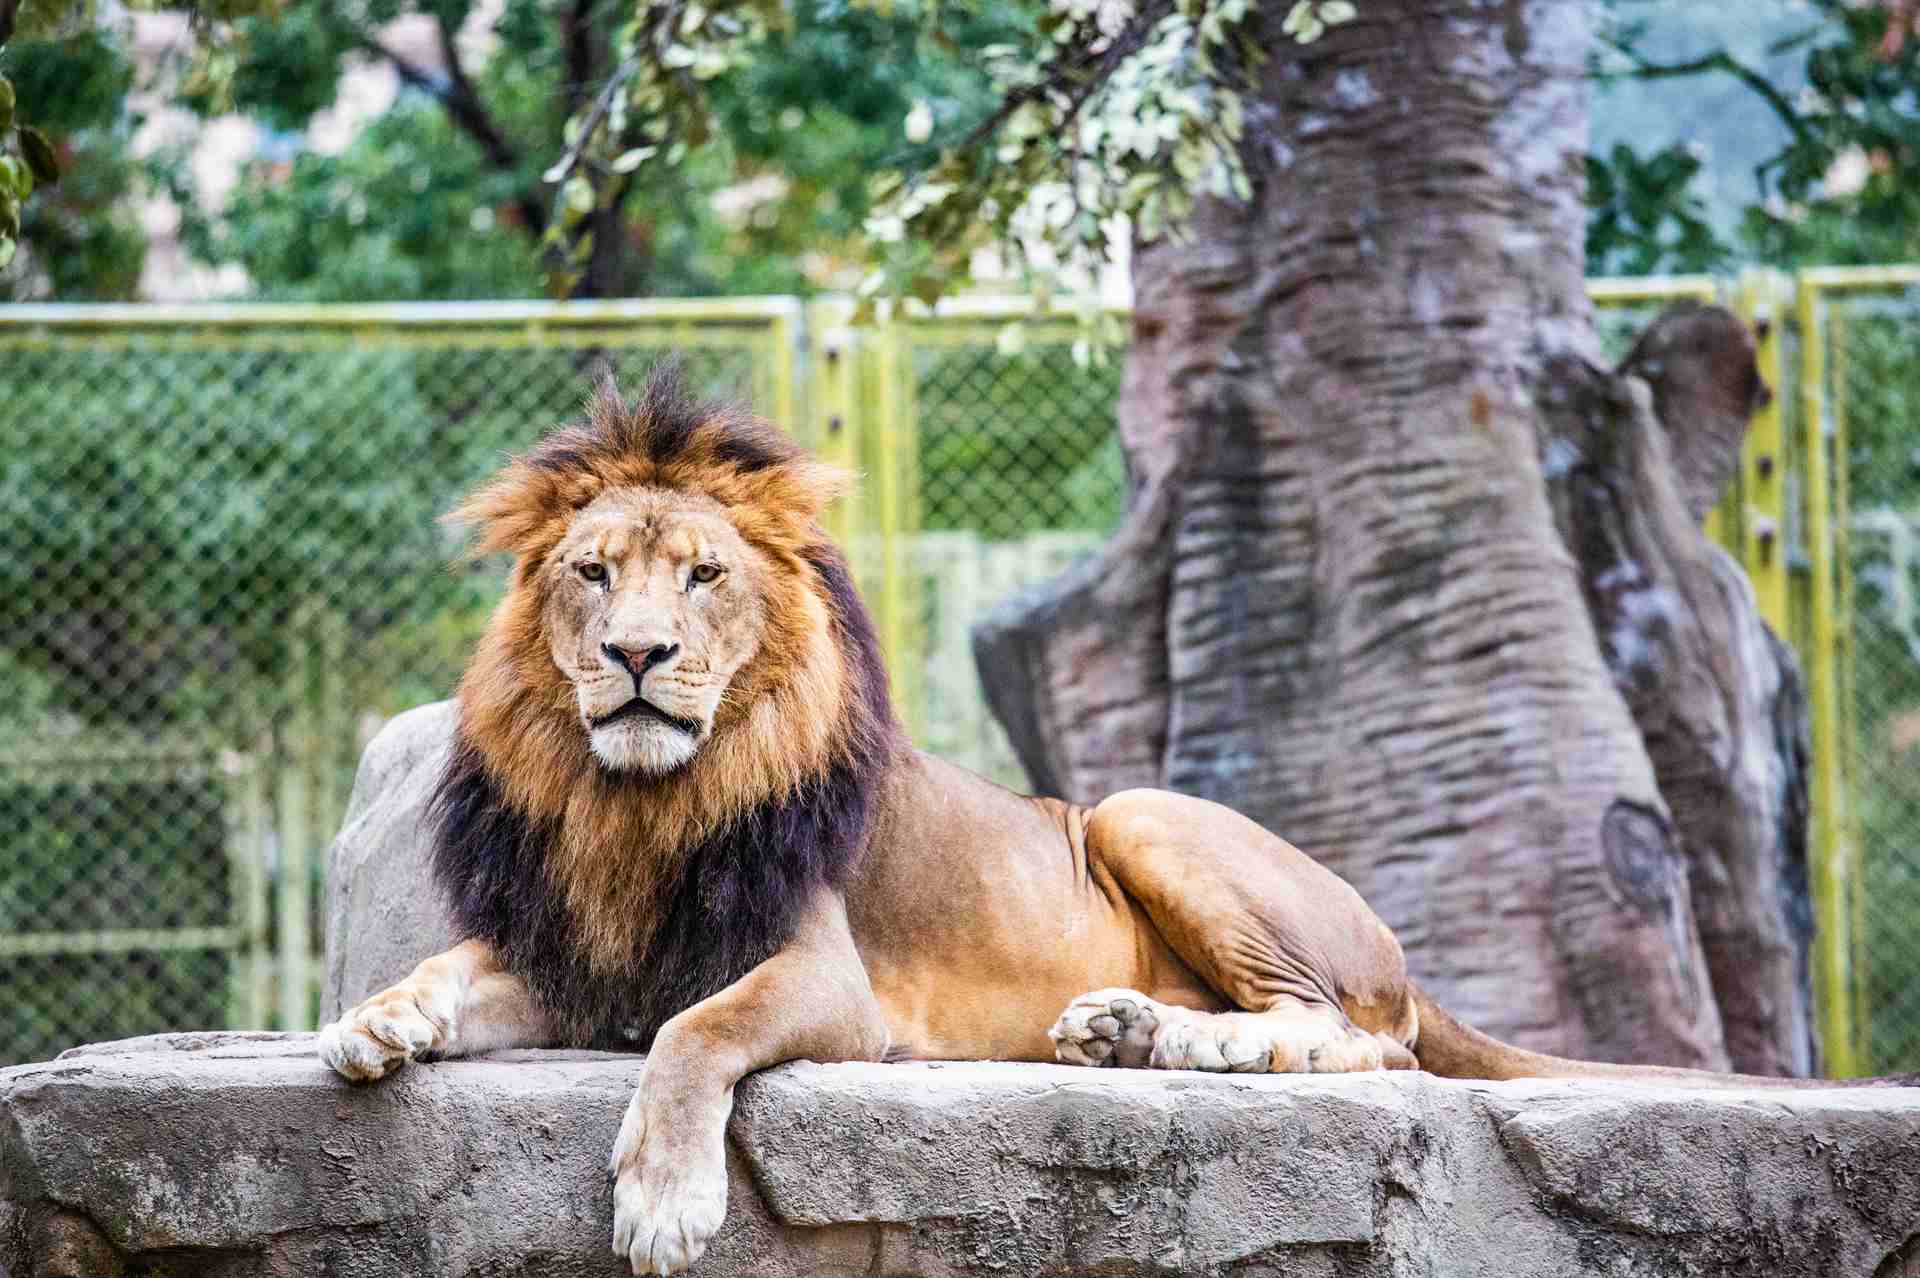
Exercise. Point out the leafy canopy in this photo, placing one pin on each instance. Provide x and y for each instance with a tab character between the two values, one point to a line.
892	138
1843	188
1043	129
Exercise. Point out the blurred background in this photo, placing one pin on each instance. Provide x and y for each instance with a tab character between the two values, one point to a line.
221	567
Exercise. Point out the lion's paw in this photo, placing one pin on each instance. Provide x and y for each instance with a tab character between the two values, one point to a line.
383	1033
1264	1043
667	1204
1106	1027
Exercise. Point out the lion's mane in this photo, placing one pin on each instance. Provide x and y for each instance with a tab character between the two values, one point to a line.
620	898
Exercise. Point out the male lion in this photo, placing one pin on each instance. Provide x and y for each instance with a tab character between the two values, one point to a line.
680	815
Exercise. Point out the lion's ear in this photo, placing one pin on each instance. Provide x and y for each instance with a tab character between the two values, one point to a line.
780	507
817	485
521	510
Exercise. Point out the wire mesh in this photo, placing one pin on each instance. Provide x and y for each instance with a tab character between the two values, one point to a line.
1019	473
1875	388
223	572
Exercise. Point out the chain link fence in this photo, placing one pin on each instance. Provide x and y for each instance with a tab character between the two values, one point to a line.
1019	473
1873	395
223	573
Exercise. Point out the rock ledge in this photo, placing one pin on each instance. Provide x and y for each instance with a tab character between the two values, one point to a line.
232	1154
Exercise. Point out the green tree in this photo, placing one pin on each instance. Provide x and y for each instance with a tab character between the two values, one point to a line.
444	196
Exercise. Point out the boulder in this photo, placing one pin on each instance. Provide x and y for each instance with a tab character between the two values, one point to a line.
383	912
239	1154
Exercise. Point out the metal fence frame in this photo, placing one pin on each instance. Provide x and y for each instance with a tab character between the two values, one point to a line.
849	392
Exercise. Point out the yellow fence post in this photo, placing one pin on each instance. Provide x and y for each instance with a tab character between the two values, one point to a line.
784	334
833	432
893	461
1833	877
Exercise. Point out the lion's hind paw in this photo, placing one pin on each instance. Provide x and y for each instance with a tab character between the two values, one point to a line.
1106	1027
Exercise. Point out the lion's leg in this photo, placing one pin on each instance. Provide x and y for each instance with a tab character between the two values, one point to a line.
1318	978
453	1004
810	1001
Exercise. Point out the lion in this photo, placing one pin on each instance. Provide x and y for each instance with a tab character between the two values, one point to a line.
680	816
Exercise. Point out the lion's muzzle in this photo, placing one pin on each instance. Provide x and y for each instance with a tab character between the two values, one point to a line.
642	708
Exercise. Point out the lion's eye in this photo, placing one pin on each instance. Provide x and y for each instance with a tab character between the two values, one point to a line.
593	572
706	573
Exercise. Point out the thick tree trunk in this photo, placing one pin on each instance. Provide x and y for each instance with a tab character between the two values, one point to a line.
1387	507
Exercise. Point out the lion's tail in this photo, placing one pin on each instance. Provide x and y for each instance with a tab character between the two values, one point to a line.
1451	1049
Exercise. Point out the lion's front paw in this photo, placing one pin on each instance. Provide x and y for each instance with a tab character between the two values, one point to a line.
1106	1027
669	1196
386	1031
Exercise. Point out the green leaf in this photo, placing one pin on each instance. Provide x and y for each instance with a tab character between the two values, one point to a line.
16	181
633	159
6	104
8	246
39	153
1335	12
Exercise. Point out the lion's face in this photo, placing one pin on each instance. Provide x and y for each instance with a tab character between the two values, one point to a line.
653	605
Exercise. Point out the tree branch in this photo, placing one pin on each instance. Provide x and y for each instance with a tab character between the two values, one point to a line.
464	108
577	28
601	107
1721	60
9	10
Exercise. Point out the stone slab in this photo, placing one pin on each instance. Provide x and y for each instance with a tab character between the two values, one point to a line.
239	1154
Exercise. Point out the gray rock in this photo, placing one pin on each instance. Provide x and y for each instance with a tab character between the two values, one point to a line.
383	912
240	1155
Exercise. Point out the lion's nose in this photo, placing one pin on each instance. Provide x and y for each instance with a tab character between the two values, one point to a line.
636	661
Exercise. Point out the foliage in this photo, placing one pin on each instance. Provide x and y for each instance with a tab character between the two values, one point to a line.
1845	186
1121	118
442	196
409	210
937	127
1085	111
86	242
1645	217
29	158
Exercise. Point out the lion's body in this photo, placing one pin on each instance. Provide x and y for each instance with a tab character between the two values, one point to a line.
979	914
681	815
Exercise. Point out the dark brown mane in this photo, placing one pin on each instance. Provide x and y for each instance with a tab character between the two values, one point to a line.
624	898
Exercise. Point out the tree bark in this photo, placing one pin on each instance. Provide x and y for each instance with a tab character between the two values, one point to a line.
1388	580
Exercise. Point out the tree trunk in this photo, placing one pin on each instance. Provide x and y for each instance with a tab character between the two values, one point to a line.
1411	579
